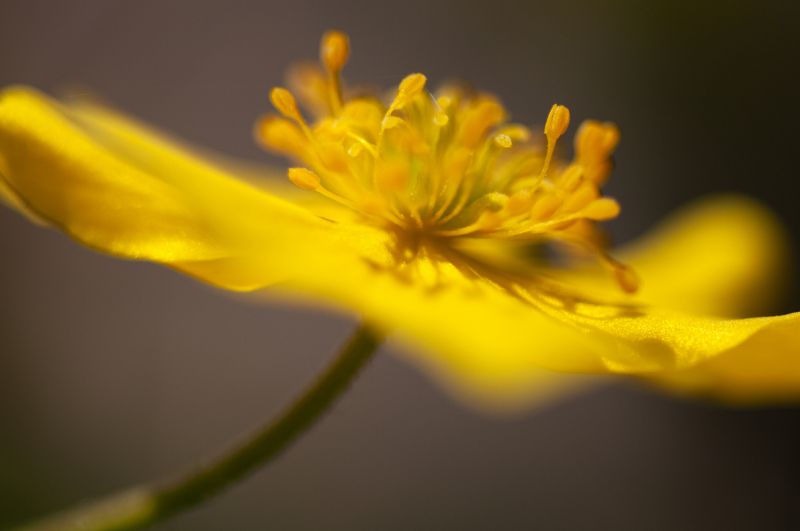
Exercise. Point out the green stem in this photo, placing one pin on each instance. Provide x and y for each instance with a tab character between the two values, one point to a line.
142	506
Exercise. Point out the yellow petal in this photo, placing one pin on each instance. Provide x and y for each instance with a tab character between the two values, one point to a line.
724	256
765	368
490	349
116	186
499	350
10	199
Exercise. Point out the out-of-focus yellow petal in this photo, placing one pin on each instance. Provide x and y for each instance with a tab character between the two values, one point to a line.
724	256
111	184
498	350
10	199
489	348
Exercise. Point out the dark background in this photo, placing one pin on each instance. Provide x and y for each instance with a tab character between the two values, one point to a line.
112	373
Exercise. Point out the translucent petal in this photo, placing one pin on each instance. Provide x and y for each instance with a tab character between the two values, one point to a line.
498	349
120	188
725	256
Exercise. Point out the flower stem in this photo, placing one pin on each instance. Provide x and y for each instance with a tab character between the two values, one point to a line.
142	506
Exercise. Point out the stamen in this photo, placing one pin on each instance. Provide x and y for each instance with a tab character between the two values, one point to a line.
334	52
595	140
443	166
411	85
284	102
581	197
487	221
390	122
516	132
282	136
454	169
485	115
545	207
594	143
626	278
555	126
601	209
520	202
359	144
570	178
495	201
503	141
304	179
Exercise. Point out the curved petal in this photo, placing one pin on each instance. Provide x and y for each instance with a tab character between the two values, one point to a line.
9	198
498	349
725	256
763	368
119	188
489	348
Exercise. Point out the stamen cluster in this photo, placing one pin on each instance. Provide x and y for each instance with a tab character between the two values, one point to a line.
445	165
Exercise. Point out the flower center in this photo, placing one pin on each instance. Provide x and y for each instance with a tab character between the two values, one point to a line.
443	167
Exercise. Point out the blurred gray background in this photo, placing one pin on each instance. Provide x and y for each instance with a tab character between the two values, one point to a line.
113	373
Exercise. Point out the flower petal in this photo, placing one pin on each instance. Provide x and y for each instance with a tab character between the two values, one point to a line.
498	350
723	256
491	349
10	199
119	188
765	368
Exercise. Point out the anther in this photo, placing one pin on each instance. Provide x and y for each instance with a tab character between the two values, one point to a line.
595	140
334	50
411	85
594	143
477	121
545	207
555	126
520	202
518	133
284	102
583	195
626	277
488	220
304	179
503	141
390	122
495	201
281	135
601	209
571	178
557	122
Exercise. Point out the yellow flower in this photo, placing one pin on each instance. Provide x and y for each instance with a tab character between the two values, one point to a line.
432	216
